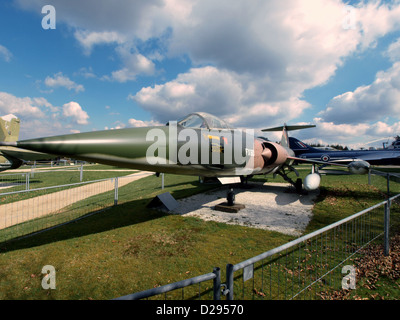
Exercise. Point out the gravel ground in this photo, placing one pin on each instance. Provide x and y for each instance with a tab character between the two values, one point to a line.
270	206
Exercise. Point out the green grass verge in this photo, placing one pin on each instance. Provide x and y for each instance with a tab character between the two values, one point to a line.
130	248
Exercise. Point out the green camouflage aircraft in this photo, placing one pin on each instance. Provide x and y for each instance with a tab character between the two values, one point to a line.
200	144
12	157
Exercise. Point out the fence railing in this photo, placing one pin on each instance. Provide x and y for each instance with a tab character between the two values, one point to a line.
215	276
28	211
27	178
25	212
301	269
305	268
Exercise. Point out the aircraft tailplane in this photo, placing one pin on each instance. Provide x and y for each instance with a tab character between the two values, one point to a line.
285	128
9	128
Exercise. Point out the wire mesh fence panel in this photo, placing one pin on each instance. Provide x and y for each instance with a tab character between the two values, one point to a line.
14	182
309	269
47	207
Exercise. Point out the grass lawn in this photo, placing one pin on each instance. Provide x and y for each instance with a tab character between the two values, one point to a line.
130	248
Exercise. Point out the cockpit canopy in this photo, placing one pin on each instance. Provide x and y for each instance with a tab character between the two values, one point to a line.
203	120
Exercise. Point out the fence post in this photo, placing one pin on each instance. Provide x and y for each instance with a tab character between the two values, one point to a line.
387	228
27	182
217	284
388	184
229	281
116	191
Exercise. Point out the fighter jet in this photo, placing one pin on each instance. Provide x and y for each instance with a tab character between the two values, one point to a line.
373	157
200	144
12	157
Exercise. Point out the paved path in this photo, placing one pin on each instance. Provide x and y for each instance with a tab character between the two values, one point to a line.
24	210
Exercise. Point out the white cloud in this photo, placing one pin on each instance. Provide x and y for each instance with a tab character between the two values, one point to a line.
219	92
140	123
355	136
134	64
90	39
300	43
393	51
9	117
368	103
59	80
264	56
85	72
29	107
207	89
376	19
117	125
138	64
5	53
74	111
252	60
39	117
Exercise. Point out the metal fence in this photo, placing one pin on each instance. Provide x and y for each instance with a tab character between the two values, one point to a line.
305	268
215	276
27	179
31	210
309	266
28	211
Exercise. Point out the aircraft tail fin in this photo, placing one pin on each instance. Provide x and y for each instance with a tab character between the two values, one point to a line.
285	128
300	147
9	128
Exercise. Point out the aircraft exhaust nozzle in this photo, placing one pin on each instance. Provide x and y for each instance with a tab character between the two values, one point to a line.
273	154
266	154
312	181
359	167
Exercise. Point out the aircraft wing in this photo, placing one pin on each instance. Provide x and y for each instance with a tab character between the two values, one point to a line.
318	162
25	155
374	156
354	167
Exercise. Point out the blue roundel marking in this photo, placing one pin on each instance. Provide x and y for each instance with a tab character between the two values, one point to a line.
325	158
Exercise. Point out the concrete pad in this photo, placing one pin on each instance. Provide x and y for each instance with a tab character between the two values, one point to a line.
269	206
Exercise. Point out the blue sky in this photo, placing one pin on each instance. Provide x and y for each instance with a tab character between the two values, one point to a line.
256	64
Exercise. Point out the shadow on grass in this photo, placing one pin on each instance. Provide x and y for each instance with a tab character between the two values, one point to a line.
135	211
122	215
126	213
